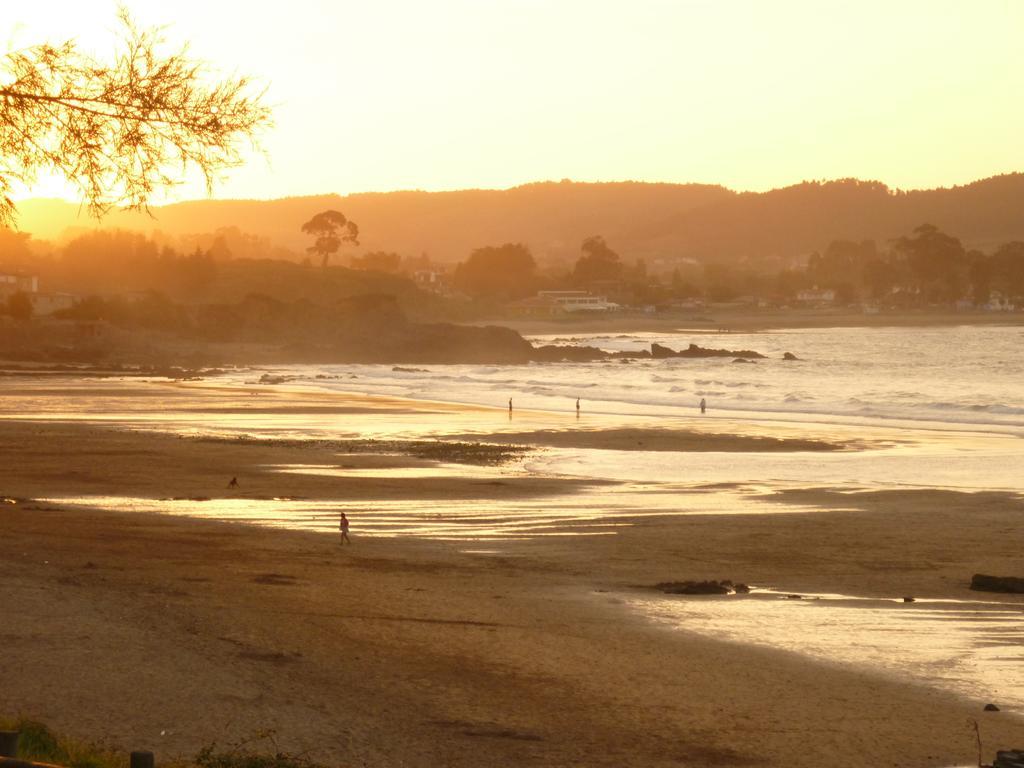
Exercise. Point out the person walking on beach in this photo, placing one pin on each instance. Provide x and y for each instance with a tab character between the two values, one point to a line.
510	405
577	406
343	528
703	405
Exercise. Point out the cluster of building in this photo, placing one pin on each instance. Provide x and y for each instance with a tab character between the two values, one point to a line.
552	303
543	304
997	302
557	303
43	303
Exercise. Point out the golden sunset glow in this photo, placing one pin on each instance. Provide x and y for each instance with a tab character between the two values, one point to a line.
498	383
403	94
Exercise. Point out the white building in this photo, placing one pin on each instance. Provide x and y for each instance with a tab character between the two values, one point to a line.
13	283
999	303
816	296
577	301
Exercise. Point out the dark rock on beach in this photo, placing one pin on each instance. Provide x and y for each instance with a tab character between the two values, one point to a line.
982	583
724	587
789	356
269	378
693	588
1010	758
991	708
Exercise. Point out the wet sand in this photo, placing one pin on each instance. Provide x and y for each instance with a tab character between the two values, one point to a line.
659	439
403	651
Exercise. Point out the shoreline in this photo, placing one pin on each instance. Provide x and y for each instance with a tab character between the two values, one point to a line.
186	357
460	653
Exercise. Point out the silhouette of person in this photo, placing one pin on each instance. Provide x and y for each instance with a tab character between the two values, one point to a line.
577	406
510	405
703	405
343	528
233	483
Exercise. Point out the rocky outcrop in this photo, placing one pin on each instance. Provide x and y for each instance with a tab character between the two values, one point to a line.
558	354
789	356
659	352
399	342
696	351
270	378
982	583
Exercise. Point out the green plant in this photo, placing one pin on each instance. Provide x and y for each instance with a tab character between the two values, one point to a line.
37	742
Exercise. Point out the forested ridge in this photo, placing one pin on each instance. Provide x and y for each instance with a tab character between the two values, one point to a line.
650	221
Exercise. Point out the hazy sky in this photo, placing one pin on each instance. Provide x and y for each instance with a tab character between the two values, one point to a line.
447	94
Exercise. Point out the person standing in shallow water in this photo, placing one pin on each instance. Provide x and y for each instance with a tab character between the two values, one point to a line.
510	405
703	405
343	528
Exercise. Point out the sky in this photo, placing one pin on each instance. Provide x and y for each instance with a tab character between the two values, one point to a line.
378	95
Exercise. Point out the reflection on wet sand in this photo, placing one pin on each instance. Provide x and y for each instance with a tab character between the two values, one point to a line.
973	648
587	511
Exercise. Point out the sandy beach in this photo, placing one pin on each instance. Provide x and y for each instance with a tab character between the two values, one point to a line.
169	631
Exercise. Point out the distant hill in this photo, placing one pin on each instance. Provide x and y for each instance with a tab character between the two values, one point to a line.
653	221
551	217
806	217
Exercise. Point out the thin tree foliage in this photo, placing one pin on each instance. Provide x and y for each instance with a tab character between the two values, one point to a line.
120	130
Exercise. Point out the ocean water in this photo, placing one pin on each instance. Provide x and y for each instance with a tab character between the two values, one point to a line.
969	377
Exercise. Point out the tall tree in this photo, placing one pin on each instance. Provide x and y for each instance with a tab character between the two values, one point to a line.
331	229
119	130
1008	269
841	266
497	273
879	276
979	272
937	261
598	262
